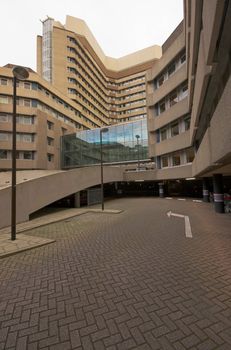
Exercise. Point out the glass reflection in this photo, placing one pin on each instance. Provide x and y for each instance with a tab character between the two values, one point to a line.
119	145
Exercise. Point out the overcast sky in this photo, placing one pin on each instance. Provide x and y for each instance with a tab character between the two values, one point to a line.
120	26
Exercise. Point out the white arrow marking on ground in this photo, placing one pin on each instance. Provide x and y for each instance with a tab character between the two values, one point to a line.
188	231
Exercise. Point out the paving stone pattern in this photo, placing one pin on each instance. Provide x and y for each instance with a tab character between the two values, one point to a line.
126	281
22	243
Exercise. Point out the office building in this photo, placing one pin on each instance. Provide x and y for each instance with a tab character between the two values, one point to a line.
105	88
44	114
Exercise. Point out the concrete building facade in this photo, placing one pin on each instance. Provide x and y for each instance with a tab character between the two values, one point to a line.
168	110
44	114
69	57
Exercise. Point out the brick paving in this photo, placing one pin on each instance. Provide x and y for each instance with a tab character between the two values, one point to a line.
49	217
127	281
22	243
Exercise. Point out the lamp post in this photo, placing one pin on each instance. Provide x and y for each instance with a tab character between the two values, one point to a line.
19	73
103	130
138	150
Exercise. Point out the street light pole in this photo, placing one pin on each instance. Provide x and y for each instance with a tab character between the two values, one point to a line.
103	130
19	73
138	150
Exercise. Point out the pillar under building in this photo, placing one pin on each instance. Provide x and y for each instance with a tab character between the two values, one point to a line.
77	200
218	193
205	189
161	189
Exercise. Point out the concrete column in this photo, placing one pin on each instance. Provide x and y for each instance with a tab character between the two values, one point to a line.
161	189
218	193
205	189
77	200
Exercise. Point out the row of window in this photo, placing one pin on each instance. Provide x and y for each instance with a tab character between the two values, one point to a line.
132	118
136	94
142	85
27	102
132	110
94	68
47	49
23	84
83	77
170	100
25	120
178	158
170	70
23	155
20	119
74	92
131	103
173	129
20	137
94	93
43	107
95	71
127	82
87	76
83	66
103	88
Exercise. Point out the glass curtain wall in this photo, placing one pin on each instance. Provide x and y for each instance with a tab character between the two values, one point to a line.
120	144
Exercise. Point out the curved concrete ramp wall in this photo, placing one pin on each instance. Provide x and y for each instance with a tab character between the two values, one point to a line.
37	193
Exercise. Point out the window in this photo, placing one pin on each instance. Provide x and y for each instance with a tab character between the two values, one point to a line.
3	154
4	99
189	155
164	161
34	86
163	134
26	102
162	106
174	129
72	91
50	125
157	136
29	155
50	157
161	80
4	136
23	119
71	59
187	123
50	141
183	91
176	159
183	58
27	85
173	99
3	81
72	80
28	137
171	69
4	118
25	137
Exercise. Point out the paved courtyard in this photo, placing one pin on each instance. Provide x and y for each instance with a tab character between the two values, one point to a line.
122	281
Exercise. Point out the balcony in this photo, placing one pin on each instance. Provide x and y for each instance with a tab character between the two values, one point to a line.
171	114
169	85
173	144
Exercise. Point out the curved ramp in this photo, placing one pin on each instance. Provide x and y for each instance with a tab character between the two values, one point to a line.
36	193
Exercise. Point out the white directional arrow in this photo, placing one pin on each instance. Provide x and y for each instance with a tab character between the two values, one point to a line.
188	231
